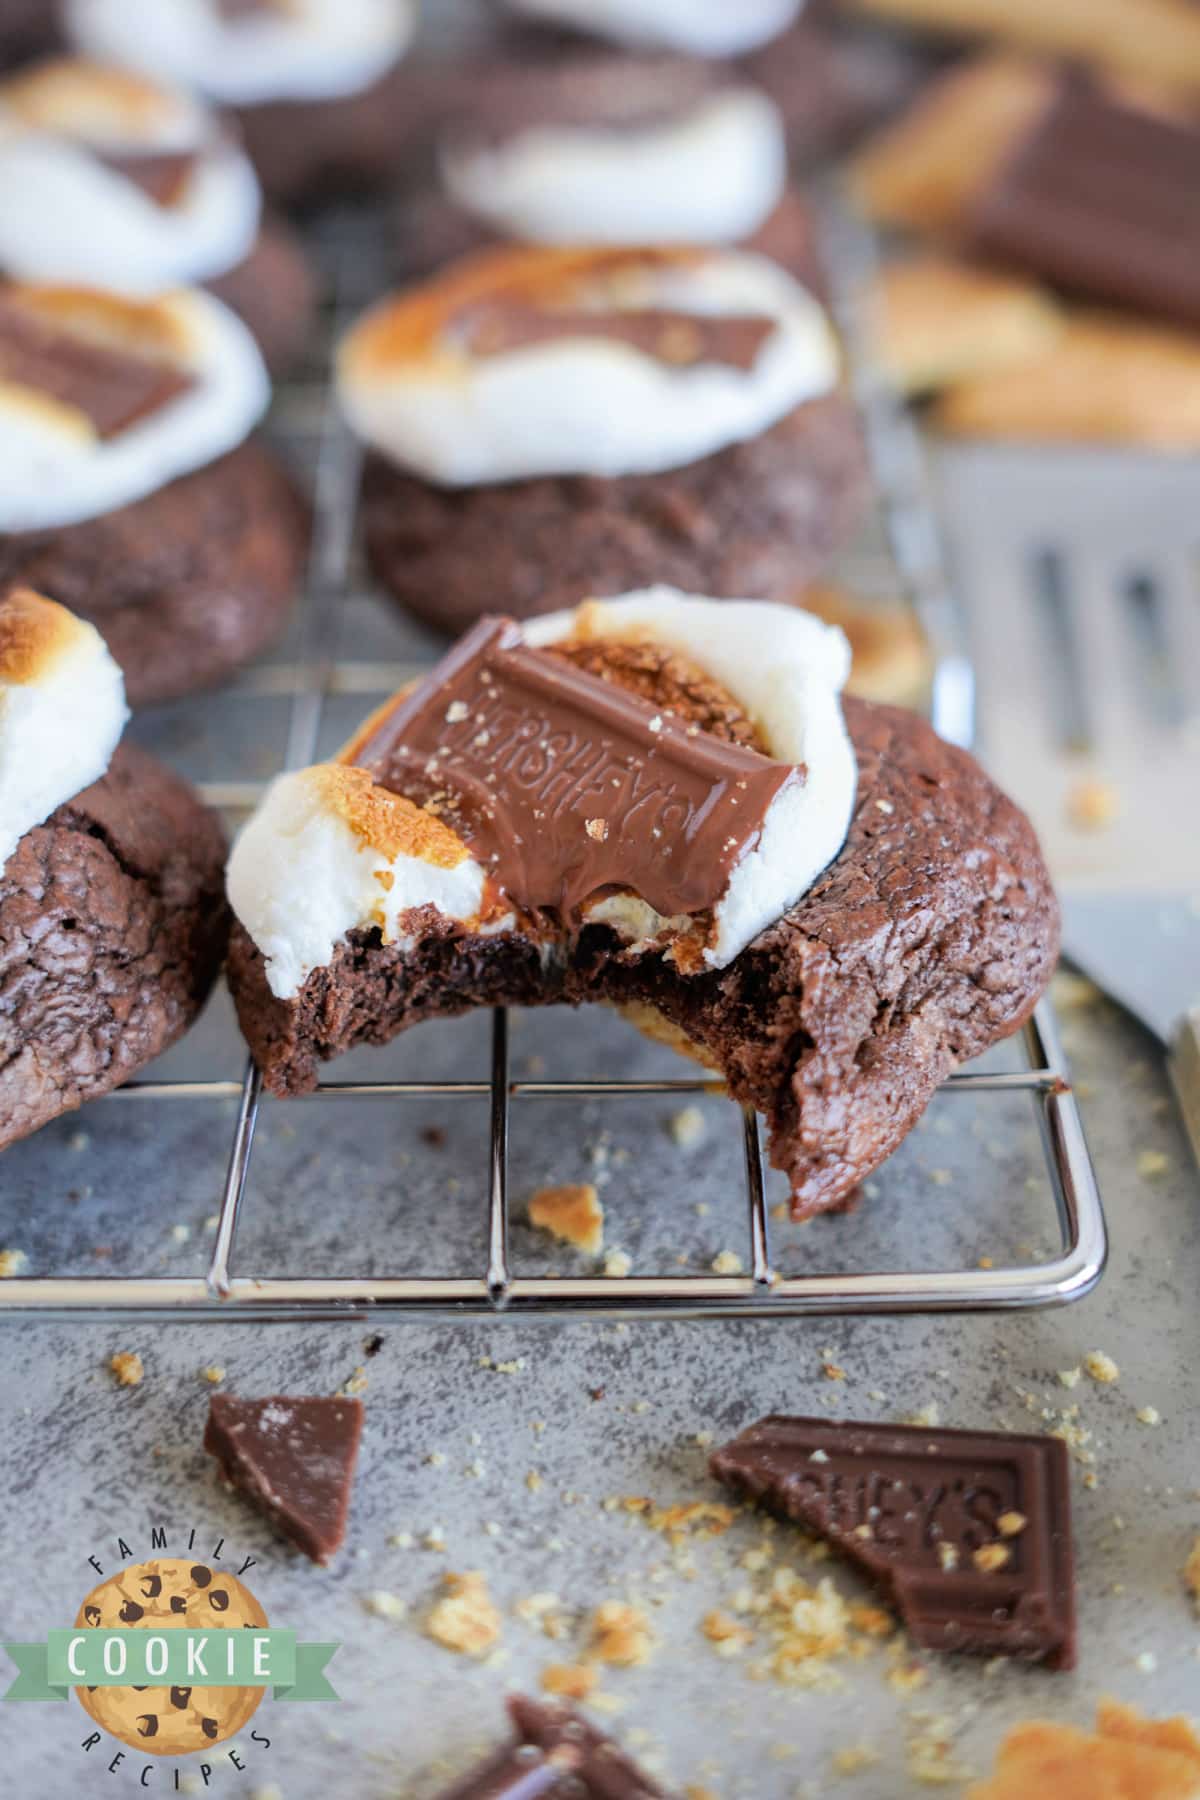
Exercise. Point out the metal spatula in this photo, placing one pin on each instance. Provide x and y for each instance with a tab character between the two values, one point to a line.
1080	576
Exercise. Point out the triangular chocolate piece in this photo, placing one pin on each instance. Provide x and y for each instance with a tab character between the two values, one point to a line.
294	1458
966	1533
556	1755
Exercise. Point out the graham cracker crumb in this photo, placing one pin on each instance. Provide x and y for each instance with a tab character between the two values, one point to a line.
927	1416
854	1759
1092	805
620	1635
465	1619
570	1681
12	1262
1101	1367
128	1368
727	1262
214	1373
991	1557
688	1127
1149	1415
833	1371
572	1213
383	1605
1011	1524
617	1265
357	1383
1070	1377
1152	1163
730	1637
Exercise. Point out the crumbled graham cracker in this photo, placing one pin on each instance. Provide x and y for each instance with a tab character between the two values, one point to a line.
214	1373
128	1368
570	1681
991	1557
729	1636
620	1635
1011	1524
1092	805
465	1619
854	1759
12	1264
1101	1367
573	1214
727	1262
617	1264
688	1127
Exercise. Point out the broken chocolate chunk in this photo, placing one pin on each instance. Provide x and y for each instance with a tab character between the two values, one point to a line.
113	388
293	1458
1103	199
556	1755
966	1533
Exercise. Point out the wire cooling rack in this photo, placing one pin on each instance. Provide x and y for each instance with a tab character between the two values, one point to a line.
307	683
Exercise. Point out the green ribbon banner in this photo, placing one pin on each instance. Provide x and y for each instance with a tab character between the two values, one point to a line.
187	1657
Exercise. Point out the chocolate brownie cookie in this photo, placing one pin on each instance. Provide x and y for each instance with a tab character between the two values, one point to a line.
180	540
834	1002
760	519
112	918
187	584
704	441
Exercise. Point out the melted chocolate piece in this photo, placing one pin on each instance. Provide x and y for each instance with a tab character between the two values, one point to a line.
557	1755
564	785
1103	200
161	175
113	388
294	1459
672	337
967	1533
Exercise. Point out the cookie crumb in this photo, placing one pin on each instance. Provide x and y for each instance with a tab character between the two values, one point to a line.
465	1619
730	1637
1101	1367
854	1759
1152	1163
573	1214
727	1262
1092	805
1149	1415
1011	1524
927	1417
1070	1378
128	1368
620	1635
570	1681
383	1605
688	1127
12	1262
214	1373
617	1264
357	1384
991	1557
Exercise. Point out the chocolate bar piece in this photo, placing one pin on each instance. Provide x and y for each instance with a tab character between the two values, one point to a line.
294	1458
113	388
162	175
564	784
673	337
967	1533
556	1755
1102	200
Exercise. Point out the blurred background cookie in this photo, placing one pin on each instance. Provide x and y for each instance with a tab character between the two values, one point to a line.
938	320
890	658
112	180
128	489
548	424
321	93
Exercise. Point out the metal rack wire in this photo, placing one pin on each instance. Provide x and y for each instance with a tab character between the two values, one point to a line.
224	1294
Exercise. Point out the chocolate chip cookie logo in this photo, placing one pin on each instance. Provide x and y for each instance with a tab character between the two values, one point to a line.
171	1657
171	1596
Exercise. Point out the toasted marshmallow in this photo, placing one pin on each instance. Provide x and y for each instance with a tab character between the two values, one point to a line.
73	215
699	27
62	711
416	386
787	670
709	175
329	852
252	51
56	468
